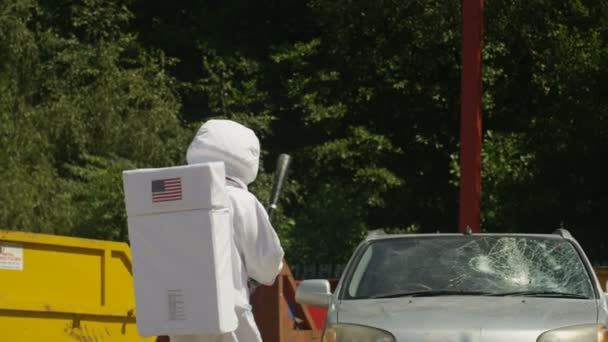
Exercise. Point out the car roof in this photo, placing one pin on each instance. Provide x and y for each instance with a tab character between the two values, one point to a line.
560	234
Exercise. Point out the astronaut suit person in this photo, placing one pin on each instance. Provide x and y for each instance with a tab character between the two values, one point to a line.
256	251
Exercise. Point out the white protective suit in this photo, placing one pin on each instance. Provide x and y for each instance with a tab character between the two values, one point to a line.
257	252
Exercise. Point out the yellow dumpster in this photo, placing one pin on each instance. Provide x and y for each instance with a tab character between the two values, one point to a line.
65	289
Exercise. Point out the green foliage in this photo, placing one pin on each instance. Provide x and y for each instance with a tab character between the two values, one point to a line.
330	225
508	169
97	199
74	86
363	94
231	88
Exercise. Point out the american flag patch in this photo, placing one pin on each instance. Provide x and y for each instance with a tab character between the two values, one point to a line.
165	190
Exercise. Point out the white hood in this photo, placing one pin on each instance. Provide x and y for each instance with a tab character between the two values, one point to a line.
234	144
468	318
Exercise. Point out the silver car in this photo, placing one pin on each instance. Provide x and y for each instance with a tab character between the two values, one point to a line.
463	288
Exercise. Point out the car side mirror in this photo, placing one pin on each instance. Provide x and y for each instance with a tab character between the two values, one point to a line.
314	292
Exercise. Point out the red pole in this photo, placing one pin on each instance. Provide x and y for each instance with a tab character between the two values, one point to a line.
470	115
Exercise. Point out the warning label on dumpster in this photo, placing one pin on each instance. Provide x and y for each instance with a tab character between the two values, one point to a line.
11	256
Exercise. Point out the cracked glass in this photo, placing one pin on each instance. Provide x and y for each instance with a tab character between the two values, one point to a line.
489	265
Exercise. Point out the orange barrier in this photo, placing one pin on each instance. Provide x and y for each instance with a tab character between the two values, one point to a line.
602	275
278	316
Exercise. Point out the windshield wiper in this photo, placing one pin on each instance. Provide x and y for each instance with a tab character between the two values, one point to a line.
554	294
431	293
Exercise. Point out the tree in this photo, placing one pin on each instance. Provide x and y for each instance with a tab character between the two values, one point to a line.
77	85
364	95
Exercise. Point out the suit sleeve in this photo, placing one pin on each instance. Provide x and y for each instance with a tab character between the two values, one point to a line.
259	244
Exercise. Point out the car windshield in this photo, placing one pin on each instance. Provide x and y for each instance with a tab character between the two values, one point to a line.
482	265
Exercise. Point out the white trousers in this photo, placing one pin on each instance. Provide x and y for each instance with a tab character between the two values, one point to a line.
247	331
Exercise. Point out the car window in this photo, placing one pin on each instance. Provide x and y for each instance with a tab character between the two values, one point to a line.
361	268
487	264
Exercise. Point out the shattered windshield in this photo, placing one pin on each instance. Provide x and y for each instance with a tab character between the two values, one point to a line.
489	265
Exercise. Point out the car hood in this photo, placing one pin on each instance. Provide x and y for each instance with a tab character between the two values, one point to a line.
468	318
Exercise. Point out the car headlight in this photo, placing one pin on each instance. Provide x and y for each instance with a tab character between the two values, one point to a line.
576	333
355	333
